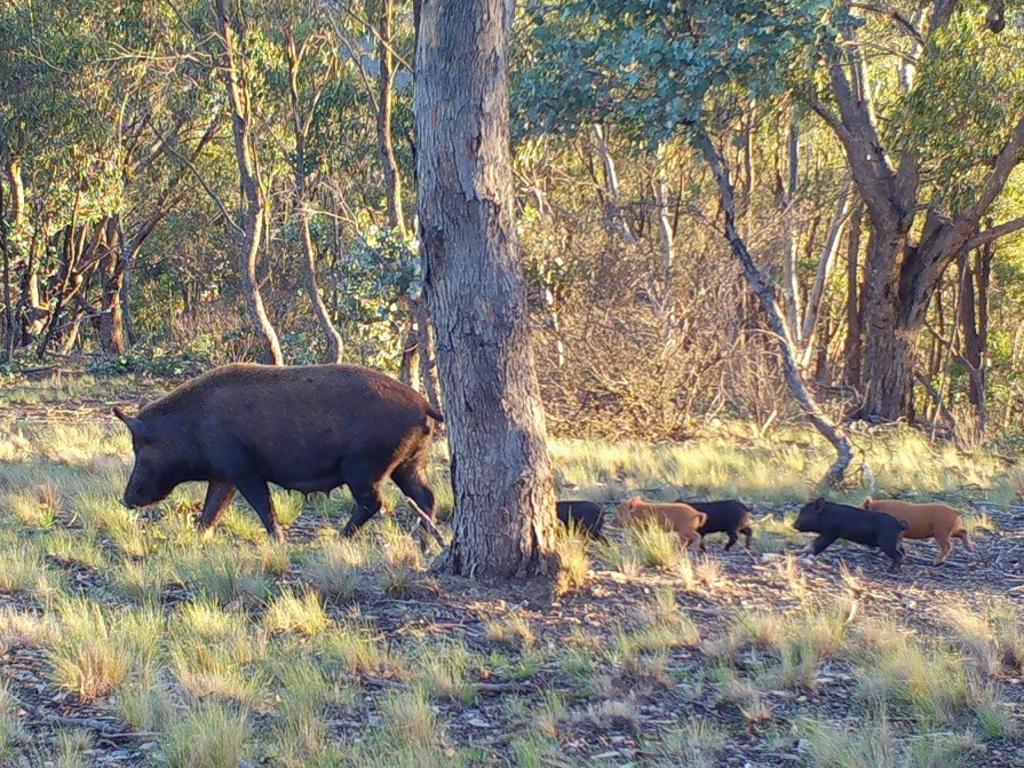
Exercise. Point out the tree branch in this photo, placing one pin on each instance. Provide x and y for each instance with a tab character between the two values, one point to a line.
199	177
899	18
762	288
994	233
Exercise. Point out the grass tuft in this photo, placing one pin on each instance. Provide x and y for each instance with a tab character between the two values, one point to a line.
210	734
513	630
302	614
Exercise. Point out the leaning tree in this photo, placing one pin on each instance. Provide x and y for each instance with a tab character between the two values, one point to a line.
501	473
658	69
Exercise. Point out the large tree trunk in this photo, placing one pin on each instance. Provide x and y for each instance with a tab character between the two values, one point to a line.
253	204
762	288
501	472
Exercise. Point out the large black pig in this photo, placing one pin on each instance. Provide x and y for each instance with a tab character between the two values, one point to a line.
310	428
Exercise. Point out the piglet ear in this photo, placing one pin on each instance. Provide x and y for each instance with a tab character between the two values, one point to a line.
867	503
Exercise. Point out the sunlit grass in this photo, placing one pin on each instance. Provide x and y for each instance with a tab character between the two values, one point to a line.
12	732
513	630
303	614
211	734
225	646
95	652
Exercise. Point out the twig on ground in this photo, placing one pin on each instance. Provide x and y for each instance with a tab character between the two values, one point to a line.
428	523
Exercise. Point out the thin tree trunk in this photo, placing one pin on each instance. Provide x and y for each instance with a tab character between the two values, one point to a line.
828	260
300	129
852	352
750	174
501	473
973	317
9	321
664	221
762	288
385	98
253	204
111	269
787	207
611	182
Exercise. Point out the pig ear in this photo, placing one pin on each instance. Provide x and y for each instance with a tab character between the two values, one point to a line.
135	425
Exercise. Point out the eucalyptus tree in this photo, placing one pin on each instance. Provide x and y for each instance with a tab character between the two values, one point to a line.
311	68
89	173
236	69
501	472
930	153
661	68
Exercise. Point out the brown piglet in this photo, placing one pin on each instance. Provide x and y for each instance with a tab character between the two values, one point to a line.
926	521
681	518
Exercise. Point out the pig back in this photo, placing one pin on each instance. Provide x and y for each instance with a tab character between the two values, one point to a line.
287	423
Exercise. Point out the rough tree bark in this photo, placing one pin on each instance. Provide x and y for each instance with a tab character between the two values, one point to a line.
232	67
301	127
501	472
762	288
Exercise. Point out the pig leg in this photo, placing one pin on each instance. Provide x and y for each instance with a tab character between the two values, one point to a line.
747	533
823	541
945	547
894	549
961	533
218	499
368	504
412	483
409	478
258	496
733	538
